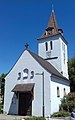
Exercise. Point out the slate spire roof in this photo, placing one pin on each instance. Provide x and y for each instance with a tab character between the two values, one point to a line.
53	23
52	27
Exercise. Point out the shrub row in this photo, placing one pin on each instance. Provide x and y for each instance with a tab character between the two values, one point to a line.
34	118
61	114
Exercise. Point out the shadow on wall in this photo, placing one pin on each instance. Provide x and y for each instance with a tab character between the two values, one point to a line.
13	110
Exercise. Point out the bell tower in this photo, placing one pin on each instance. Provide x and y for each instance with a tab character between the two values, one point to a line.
52	46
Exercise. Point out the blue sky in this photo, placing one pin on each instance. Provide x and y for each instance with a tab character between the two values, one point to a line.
24	21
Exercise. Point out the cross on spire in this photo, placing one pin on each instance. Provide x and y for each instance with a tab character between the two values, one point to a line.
26	45
52	7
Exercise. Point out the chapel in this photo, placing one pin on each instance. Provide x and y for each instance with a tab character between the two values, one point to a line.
36	83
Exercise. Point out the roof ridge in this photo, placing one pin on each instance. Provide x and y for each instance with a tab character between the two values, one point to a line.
46	65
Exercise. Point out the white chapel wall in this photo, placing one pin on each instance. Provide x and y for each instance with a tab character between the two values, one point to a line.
56	101
26	61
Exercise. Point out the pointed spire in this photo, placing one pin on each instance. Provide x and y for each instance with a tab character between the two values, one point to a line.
52	22
52	28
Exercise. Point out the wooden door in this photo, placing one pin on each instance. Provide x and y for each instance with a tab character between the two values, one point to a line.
25	104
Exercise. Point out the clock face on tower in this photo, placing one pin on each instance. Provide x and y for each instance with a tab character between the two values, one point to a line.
25	74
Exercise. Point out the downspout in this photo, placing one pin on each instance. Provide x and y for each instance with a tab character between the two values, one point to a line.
50	94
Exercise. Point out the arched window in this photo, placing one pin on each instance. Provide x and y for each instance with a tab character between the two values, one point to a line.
32	75
58	92
25	73
46	44
64	57
19	75
51	45
64	92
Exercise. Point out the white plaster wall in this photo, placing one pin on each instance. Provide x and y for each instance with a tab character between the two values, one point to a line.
64	66
51	100
57	51
56	101
47	94
42	47
27	61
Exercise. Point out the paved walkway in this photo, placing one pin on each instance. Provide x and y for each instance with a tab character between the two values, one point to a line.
15	117
10	117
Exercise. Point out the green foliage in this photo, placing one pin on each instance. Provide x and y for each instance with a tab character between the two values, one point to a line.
68	102
2	86
71	70
71	100
61	114
64	108
2	83
1	106
34	118
64	104
2	76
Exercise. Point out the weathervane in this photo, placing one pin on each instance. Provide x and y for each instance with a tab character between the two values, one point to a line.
26	45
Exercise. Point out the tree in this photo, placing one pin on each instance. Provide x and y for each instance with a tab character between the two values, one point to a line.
2	84
2	91
71	69
2	76
64	104
71	101
68	102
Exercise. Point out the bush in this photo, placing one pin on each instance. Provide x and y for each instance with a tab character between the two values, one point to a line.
71	101
67	105
68	102
61	114
34	118
64	104
1	106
